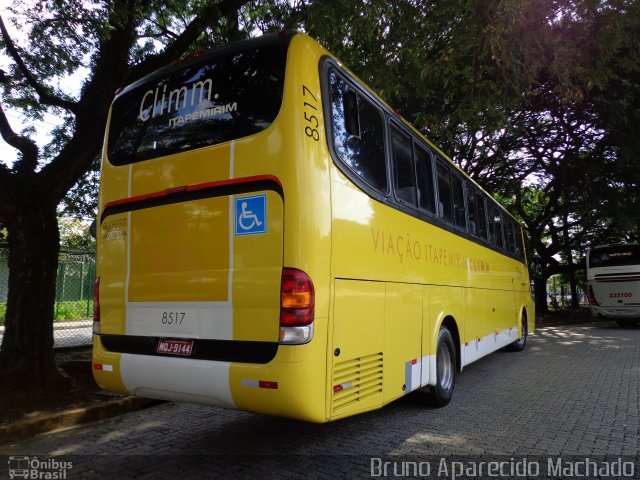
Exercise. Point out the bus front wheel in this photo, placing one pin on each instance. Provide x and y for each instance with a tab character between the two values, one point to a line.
440	394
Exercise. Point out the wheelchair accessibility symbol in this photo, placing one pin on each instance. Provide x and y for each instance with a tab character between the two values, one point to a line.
251	215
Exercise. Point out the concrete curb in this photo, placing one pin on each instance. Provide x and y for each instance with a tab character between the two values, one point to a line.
69	418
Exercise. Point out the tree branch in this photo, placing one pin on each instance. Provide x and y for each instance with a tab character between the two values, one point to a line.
186	38
45	96
26	146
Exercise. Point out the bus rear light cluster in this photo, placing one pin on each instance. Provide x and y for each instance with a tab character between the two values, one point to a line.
297	302
592	297
96	307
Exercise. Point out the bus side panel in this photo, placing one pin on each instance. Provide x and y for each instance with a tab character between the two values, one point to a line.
357	347
402	335
113	237
476	312
291	385
445	302
427	353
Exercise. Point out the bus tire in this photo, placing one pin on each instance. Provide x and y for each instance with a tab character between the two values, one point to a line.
446	367
520	343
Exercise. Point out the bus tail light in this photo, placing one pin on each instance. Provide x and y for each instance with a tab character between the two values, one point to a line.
592	297
96	307
297	302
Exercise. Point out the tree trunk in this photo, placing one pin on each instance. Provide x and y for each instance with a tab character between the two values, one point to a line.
26	356
540	289
575	302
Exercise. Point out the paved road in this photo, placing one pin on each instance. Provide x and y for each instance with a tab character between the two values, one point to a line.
573	391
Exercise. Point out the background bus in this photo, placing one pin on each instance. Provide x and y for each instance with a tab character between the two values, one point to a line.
274	238
613	280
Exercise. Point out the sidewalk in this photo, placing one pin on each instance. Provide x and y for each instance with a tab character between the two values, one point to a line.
48	422
96	406
65	325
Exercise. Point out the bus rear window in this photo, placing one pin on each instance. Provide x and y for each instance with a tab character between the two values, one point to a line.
614	256
222	98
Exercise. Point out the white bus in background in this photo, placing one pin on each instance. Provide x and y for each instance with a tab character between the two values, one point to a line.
613	279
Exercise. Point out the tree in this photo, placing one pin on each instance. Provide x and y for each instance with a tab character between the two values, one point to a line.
116	41
74	233
536	100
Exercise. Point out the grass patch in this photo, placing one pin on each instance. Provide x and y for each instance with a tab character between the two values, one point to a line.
75	310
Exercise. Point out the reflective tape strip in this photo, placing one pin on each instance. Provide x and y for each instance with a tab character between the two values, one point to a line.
260	384
103	367
342	386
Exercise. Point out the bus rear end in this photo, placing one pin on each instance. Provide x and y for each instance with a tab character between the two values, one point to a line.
195	298
613	278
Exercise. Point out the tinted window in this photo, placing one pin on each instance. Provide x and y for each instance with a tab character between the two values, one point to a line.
518	239
472	209
495	227
482	216
426	191
615	255
405	179
358	133
458	202
508	234
217	100
445	205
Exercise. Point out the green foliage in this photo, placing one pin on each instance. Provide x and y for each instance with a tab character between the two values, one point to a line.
73	310
538	100
74	233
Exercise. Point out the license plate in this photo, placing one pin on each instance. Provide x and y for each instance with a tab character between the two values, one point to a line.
175	347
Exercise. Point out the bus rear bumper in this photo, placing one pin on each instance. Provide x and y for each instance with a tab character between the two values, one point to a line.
280	387
617	313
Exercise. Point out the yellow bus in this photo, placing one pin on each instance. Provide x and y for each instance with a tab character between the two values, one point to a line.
272	237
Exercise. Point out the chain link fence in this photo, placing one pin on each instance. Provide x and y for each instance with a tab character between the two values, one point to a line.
74	296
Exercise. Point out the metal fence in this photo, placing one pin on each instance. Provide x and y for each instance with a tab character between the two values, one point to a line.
74	296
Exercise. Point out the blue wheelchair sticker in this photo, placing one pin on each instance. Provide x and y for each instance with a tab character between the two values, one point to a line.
251	215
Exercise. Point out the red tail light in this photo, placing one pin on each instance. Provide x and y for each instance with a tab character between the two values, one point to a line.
96	306
297	303
297	298
592	297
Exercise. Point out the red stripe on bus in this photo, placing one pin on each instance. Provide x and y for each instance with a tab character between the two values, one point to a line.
192	188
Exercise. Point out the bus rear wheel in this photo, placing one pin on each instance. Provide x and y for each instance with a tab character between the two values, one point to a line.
520	343
440	394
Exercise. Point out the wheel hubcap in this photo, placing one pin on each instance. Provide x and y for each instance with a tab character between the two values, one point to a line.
445	367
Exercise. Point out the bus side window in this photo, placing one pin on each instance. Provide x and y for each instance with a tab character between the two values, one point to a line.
364	152
491	223
482	216
405	179
508	234
459	218
445	203
518	244
472	209
426	192
496	220
351	118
